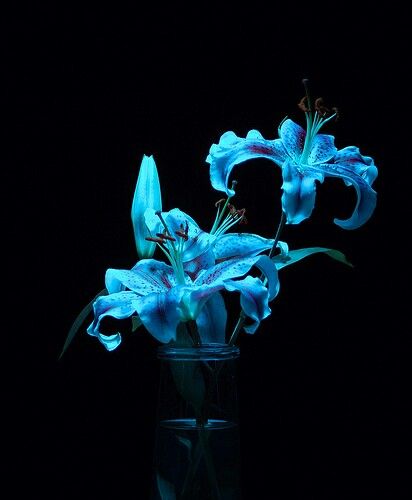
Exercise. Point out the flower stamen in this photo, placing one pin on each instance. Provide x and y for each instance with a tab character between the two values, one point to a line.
173	253
220	211
165	236
183	231
302	104
155	239
315	120
320	107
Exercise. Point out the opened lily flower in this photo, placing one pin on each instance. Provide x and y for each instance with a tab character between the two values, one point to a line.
201	266
305	157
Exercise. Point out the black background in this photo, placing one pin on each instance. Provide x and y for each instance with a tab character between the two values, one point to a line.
322	384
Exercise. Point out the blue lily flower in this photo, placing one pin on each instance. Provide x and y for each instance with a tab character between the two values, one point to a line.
201	266
305	157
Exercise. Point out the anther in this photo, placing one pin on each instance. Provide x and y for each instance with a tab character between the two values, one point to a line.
165	236
302	104
320	107
182	234
305	83
166	229
232	209
241	214
156	240
216	205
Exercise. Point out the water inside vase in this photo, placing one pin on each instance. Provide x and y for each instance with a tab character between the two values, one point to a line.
193	461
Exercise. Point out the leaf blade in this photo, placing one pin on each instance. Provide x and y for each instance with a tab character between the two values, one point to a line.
294	256
80	320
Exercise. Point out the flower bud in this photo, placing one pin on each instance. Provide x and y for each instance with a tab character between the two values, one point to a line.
147	195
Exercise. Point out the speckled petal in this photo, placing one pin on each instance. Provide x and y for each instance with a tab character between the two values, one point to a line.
198	241
117	305
322	150
147	276
235	245
160	313
293	137
233	150
228	269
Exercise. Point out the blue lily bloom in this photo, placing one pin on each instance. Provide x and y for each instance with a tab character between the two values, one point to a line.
202	265
305	157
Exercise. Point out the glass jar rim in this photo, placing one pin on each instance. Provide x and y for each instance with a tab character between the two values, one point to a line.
205	352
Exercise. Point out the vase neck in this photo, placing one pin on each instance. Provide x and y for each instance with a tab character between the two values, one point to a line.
204	352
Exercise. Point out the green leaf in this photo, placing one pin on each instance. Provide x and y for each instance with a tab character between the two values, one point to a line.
188	375
187	443
136	322
294	256
80	320
166	489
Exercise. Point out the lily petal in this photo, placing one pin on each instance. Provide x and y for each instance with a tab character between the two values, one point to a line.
233	150
212	319
299	193
203	261
198	241
268	268
225	270
195	297
235	245
351	158
322	150
117	305
160	313
253	299
293	137
359	174
147	276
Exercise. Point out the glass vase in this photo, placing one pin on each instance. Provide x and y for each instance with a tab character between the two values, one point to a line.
197	449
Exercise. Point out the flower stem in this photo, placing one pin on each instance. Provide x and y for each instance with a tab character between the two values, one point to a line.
203	449
279	230
242	315
194	333
210	466
238	327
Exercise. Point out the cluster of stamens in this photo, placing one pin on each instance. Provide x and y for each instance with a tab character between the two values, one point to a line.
319	106
239	215
233	216
171	247
183	231
161	238
316	117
